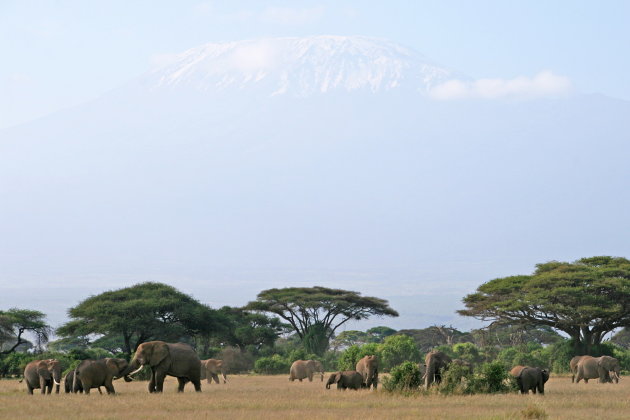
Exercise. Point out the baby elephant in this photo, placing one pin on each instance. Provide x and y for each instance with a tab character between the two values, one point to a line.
348	379
532	378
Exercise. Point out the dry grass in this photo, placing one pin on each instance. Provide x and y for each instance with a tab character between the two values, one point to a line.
251	397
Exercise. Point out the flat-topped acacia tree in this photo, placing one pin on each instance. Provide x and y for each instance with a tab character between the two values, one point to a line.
586	299
315	313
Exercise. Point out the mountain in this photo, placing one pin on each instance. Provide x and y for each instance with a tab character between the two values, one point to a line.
321	162
300	67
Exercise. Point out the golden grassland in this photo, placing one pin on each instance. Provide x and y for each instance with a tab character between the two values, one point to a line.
274	397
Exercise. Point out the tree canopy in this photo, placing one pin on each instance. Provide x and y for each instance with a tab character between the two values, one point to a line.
585	299
14	323
144	312
315	313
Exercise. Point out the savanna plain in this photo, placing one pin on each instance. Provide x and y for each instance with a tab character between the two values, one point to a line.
274	397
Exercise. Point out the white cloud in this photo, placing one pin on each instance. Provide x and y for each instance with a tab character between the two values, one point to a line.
291	16
544	84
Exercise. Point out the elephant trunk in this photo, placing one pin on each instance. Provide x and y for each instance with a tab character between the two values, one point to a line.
132	368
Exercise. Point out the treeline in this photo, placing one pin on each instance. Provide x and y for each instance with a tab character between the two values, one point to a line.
586	300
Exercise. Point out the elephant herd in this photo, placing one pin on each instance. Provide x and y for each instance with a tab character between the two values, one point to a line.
172	359
181	361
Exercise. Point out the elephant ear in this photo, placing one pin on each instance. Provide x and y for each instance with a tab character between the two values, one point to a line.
160	352
337	377
42	370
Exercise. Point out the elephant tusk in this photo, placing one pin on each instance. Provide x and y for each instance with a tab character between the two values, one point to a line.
135	371
56	383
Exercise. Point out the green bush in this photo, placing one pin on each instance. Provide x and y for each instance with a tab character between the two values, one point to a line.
403	378
467	352
397	349
492	378
455	379
272	365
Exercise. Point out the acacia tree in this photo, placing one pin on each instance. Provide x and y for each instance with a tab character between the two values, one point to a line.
15	322
585	299
144	312
315	313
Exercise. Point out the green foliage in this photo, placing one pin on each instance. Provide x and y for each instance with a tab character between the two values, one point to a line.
314	313
15	322
397	349
403	377
467	352
492	378
455	379
144	312
586	299
272	365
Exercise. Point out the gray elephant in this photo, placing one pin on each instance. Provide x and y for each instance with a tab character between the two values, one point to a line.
302	369
597	368
573	366
368	368
532	378
348	379
74	386
173	359
97	373
210	370
42	374
436	364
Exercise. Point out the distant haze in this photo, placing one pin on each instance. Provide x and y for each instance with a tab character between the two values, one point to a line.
345	162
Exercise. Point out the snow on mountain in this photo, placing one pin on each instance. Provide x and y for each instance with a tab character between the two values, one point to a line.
301	66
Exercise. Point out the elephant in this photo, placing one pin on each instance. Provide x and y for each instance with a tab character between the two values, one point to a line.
73	386
173	359
96	373
210	369
368	368
597	368
532	378
348	379
301	369
436	363
573	364
43	374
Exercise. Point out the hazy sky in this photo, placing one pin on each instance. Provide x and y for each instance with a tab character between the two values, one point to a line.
56	54
419	202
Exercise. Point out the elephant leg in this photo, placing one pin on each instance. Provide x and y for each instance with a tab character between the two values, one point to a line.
181	383
585	380
42	385
159	381
29	388
209	379
225	378
197	384
215	377
300	379
99	390
109	387
86	389
152	381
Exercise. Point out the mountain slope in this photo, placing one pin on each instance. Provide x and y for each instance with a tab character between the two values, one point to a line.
224	191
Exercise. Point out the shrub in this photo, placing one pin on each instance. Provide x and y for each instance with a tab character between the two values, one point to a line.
404	377
272	365
468	352
396	349
455	379
492	378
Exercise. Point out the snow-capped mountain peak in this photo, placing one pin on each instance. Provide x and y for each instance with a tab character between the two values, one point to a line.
300	66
